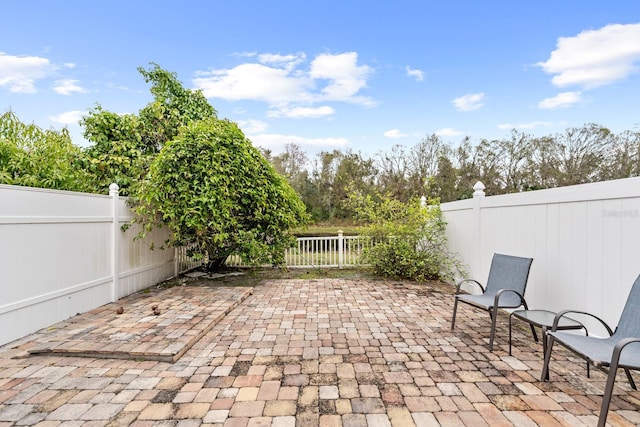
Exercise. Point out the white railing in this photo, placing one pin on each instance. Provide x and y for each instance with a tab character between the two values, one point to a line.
183	262
329	251
324	251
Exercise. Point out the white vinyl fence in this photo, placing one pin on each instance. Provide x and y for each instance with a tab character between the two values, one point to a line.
584	241
62	253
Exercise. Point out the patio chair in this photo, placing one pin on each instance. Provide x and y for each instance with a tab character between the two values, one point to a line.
505	288
620	350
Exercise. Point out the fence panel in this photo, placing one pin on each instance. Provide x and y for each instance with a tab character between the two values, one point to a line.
583	239
64	252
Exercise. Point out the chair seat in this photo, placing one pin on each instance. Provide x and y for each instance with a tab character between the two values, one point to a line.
600	350
487	301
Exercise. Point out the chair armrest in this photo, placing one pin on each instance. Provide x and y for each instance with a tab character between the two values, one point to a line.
461	282
496	300
562	313
620	345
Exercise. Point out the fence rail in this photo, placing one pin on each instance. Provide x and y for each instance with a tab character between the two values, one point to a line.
324	251
330	251
182	262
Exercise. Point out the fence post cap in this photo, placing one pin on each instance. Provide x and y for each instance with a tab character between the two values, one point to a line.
479	189
113	187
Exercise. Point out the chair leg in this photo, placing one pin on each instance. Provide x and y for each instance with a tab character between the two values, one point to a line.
455	308
533	330
608	392
494	318
630	378
547	358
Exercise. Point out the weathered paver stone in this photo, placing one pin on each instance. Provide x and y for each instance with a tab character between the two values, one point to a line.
367	405
157	411
276	408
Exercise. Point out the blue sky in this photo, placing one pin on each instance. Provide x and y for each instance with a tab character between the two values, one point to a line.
358	75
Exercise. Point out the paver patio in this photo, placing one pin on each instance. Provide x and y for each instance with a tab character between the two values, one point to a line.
317	352
159	325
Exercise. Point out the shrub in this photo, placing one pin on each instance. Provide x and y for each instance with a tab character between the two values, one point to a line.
408	240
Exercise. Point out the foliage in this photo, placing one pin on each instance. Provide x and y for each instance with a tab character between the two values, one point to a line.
33	157
219	196
408	239
124	144
173	106
322	186
581	152
117	154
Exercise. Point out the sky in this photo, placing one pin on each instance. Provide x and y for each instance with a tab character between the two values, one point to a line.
358	76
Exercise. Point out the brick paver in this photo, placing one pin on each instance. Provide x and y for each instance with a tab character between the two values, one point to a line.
185	315
297	353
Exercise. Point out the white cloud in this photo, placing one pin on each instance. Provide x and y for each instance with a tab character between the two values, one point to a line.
561	100
595	57
69	65
276	142
288	61
395	133
530	125
469	102
68	118
252	126
253	81
302	112
283	82
19	73
345	77
67	87
448	132
415	73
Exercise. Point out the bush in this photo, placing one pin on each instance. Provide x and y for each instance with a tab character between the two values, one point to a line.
408	239
219	196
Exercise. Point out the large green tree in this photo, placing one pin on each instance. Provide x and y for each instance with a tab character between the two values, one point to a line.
219	196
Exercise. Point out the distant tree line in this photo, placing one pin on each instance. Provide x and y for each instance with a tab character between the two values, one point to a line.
433	168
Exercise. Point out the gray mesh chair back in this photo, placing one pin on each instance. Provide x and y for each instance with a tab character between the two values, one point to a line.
508	272
505	288
629	324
